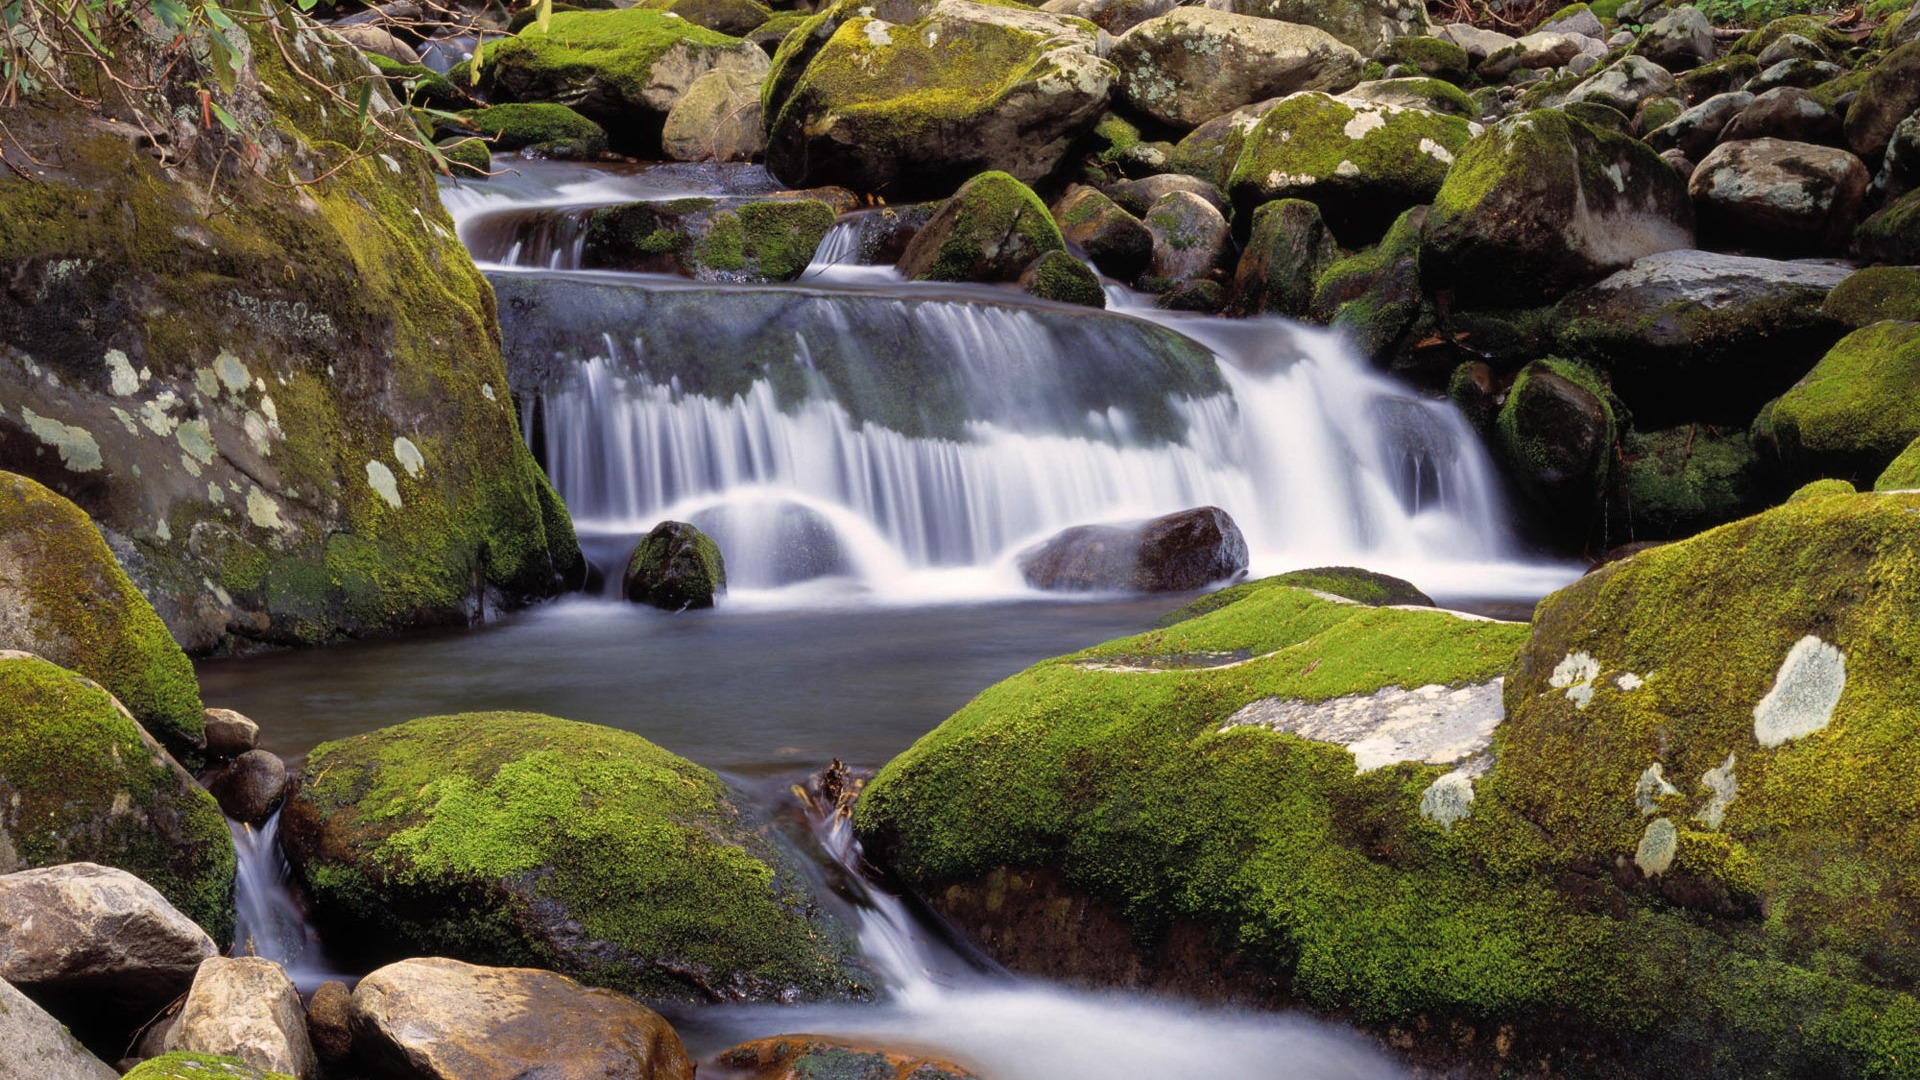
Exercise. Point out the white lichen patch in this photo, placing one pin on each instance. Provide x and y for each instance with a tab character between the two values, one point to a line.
122	379
233	374
255	427
1575	674
162	530
126	420
1658	846
876	33
383	482
1721	787
154	413
409	456
1435	151
486	391
1438	725
1346	168
1804	693
214	494
75	445
1629	682
1651	788
196	439
1448	799
206	382
263	511
1364	120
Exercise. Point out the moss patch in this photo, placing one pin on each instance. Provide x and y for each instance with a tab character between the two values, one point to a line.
990	230
182	1065
546	128
1875	294
1858	408
1060	277
1360	586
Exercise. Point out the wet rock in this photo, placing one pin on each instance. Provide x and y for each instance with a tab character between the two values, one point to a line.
1795	73
1775	196
731	239
1675	482
250	788
1792	47
1626	84
990	230
1198	294
1287	251
1432	57
1180	551
809	1057
676	567
1209	151
774	542
717	119
438	1019
185	1065
1194	64
1060	277
246	1008
1680	39
735	18
330	1022
1190	238
1374	298
1892	235
1115	240
1891	95
35	1045
229	734
542	129
1785	113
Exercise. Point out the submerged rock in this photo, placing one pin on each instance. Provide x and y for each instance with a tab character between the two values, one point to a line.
676	567
512	838
246	1008
809	1057
1187	550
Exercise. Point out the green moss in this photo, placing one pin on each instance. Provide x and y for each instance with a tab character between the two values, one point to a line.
467	158
1829	93
1858	408
1904	473
1679	481
547	128
676	567
417	84
772	240
1432	56
1875	294
533	821
991	215
85	787
1821	489
1812	27
1374	296
1892	234
616	47
1060	277
1718	77
1113	136
1360	586
184	1065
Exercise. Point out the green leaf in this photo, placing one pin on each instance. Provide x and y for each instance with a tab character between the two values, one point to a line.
366	101
226	119
173	13
543	14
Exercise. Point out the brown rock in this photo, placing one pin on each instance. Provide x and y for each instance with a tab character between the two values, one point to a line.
1778	197
1178	551
247	1008
229	734
250	789
330	1022
806	1057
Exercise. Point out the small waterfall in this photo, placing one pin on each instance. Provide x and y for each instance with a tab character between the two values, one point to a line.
270	916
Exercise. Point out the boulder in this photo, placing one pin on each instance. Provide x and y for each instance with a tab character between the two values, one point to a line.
1374	298
1136	197
250	787
717	119
1287	251
1060	277
1542	203
1680	39
1116	17
86	785
1857	409
1792	47
1892	234
731	239
804	1057
1209	151
1190	239
1115	240
1900	169
1797	73
440	1019
1822	489
1891	94
1185	550
1478	43
330	1022
64	598
1366	25
1555	434
1785	113
1674	482
1433	57
735	18
97	946
1778	197
1532	52
377	41
624	70
514	838
1193	64
1696	131
1361	163
990	230
1904	473
1433	95
1626	84
1869	296
1698	335
676	567
35	1045
1574	19
1723	76
912	97
1353	583
186	1065
246	1008
229	734
542	129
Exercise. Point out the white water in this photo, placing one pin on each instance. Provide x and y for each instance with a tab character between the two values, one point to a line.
270	917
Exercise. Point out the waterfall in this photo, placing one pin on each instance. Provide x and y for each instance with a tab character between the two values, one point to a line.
270	917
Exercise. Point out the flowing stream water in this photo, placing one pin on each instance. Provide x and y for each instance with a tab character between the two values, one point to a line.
872	530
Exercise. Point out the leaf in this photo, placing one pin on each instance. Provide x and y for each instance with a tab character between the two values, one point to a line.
226	118
173	13
366	101
543	14
479	54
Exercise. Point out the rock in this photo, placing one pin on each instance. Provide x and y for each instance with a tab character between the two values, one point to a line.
1602	118
1288	250
1680	39
1904	473
1209	151
1723	76
229	734
86	785
1892	235
773	542
1197	294
1374	298
1574	19
543	129
1696	131
1868	296
1433	57
64	598
1532	52
1857	409
1654	113
1555	434
1797	73
97	946
583	849
246	1008
1136	197
185	1065
1770	195
439	1019
735	18
1185	550
1190	239
1366	25
378	41
624	70
1432	95
1115	240
1695	335
1541	204
733	240
1900	168
1626	84
1785	113
330	1022
1478	43
1891	95
34	1044
676	568
912	104
1116	17
1060	277
1189	66
1363	164
717	119
1330	582
250	789
990	230
1676	482
1792	47
467	157
804	1057
1810	27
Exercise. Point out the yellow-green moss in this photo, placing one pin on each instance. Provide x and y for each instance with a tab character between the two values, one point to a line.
1821	489
991	224
547	128
1858	408
1875	294
184	1065
618	47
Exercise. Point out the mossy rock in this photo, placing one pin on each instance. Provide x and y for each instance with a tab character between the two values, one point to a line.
990	230
1210	150
1891	235
1679	481
1858	408
675	567
1289	248
1727	74
735	18
1362	163
730	240
65	598
1431	56
417	84
184	1065
1115	240
87	784
467	159
1368	25
1555	434
1060	277
1350	582
516	839
1877	293
1812	27
1822	489
1374	296
547	129
1904	473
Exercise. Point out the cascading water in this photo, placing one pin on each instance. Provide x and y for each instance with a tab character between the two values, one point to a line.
270	919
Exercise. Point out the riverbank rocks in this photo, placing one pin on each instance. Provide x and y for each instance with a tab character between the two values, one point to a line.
1362	163
717	119
1116	241
624	70
1626	85
37	1046
805	1057
63	597
1892	235
1681	38
731	239
229	734
990	230
85	784
1186	550
1857	409
676	567
1194	63
1771	195
1366	25
246	1008
1543	203
910	98
1696	131
512	838
439	1019
1287	251
286	412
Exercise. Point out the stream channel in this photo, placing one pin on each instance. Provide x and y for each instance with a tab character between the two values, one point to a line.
871	528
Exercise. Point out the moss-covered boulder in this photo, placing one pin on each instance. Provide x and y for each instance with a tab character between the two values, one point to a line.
1362	163
1555	434
1675	482
1367	25
1857	409
1289	248
184	1065
1433	57
1209	151
88	784
64	598
621	69
547	129
990	230
1191	241
1353	583
911	97
1064	279
1891	94
1904	472
1892	234
1194	63
735	18
522	840
417	84
1408	92
1542	203
734	239
1115	240
1375	296
285	407
676	567
467	157
1822	489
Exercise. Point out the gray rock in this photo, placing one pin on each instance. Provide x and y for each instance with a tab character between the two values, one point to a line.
1580	21
1696	131
1184	550
1801	73
1190	237
1680	162
1900	169
1367	25
1785	112
247	1008
229	734
35	1046
1210	150
1791	47
1891	95
717	119
1625	85
1779	197
1138	196
1532	52
1194	64
1415	93
378	41
250	788
1679	40
1479	43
